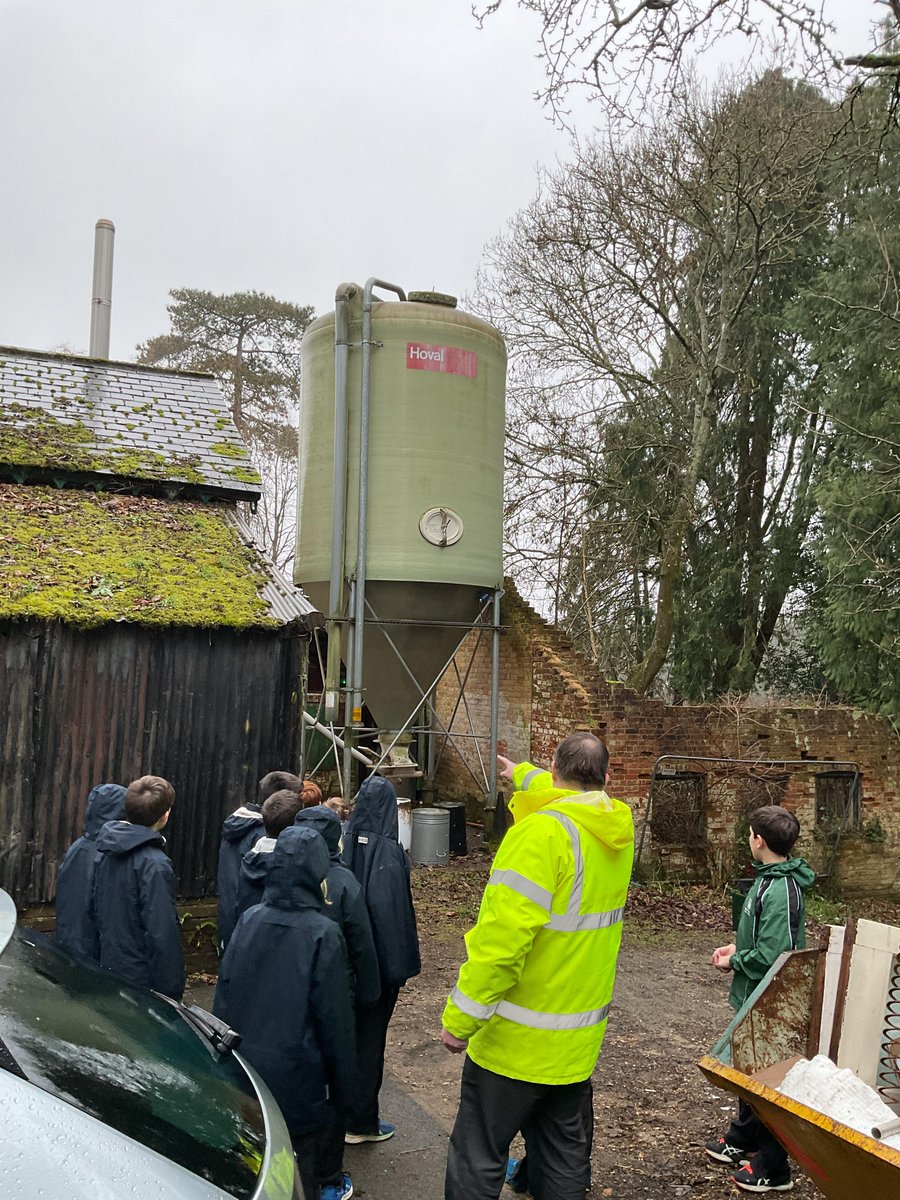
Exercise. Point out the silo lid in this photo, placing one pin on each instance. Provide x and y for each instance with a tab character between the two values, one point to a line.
433	298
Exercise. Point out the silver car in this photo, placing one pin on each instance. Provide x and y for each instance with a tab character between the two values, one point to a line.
108	1091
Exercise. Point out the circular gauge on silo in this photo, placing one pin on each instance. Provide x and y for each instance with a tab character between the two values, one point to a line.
441	526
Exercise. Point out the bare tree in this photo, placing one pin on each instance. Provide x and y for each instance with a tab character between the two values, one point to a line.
623	288
641	47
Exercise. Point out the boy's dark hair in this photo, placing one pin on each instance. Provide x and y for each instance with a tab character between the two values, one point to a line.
148	799
777	826
582	758
278	781
279	811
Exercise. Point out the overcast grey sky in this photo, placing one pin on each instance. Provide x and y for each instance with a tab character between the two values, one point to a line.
279	145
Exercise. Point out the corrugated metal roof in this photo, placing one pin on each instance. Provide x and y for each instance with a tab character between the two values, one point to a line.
83	416
286	601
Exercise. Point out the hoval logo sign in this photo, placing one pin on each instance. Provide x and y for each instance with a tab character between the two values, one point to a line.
449	360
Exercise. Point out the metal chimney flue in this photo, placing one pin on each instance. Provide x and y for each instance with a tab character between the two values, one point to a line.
101	303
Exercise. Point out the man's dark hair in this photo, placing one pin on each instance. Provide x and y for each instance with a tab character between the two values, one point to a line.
583	759
279	811
278	781
148	799
777	826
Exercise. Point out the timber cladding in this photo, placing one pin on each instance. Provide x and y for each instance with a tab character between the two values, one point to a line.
212	710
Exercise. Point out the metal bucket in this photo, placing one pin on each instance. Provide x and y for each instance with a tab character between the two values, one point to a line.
457	811
404	821
430	837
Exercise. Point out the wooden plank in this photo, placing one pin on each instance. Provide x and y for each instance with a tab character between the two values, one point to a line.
833	959
841	990
814	1036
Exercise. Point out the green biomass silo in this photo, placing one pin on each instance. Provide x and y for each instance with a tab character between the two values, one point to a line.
400	495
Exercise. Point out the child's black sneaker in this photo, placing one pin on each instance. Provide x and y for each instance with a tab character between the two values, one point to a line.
721	1151
749	1180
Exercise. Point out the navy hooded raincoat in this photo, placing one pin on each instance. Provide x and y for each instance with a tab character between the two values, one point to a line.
252	877
344	903
240	833
373	853
75	930
284	986
133	906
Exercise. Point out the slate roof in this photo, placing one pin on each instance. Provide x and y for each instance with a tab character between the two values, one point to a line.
89	558
64	417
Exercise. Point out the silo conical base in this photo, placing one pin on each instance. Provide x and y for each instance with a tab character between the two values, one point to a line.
405	654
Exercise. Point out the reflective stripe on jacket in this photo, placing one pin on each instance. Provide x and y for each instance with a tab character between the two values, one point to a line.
534	993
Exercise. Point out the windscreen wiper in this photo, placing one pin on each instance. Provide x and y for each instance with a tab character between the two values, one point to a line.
219	1038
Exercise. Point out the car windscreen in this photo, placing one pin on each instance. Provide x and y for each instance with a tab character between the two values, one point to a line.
129	1059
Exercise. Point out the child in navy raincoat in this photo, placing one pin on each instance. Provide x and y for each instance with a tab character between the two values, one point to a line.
344	903
278	813
373	853
133	894
75	930
240	833
284	986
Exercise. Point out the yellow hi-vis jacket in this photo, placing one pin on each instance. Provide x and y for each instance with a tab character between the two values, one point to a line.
534	789
534	993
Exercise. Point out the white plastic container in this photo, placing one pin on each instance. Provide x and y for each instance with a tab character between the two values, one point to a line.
404	819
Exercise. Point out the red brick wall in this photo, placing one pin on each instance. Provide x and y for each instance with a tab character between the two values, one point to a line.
547	690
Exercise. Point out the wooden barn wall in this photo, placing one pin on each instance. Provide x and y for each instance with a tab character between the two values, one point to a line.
212	711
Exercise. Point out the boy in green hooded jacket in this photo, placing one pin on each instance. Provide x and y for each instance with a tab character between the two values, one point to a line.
771	922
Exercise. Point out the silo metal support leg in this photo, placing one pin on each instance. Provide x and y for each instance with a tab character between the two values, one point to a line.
491	802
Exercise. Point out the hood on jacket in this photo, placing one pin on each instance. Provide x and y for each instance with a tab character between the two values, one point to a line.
242	819
299	864
376	809
610	821
325	822
106	802
121	837
798	868
256	862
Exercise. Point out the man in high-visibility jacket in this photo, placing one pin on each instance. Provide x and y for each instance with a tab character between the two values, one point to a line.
533	995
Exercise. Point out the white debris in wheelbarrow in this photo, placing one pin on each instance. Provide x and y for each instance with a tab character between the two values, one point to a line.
838	1093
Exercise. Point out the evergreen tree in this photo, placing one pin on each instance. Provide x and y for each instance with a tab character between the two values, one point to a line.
252	342
851	317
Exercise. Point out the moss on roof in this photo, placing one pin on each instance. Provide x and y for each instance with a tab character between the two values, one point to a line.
41	440
87	559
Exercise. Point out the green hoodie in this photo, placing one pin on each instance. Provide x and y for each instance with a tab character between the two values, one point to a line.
771	922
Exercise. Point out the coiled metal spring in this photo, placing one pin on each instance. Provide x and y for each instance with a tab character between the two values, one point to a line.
888	1081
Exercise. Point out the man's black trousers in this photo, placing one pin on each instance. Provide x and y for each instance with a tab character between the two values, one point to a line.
492	1110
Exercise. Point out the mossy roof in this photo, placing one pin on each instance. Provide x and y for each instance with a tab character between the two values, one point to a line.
88	558
79	417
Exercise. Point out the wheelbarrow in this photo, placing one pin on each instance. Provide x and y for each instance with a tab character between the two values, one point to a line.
792	1014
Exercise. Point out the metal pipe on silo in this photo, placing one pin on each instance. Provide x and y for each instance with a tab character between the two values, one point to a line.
342	298
354	684
101	301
